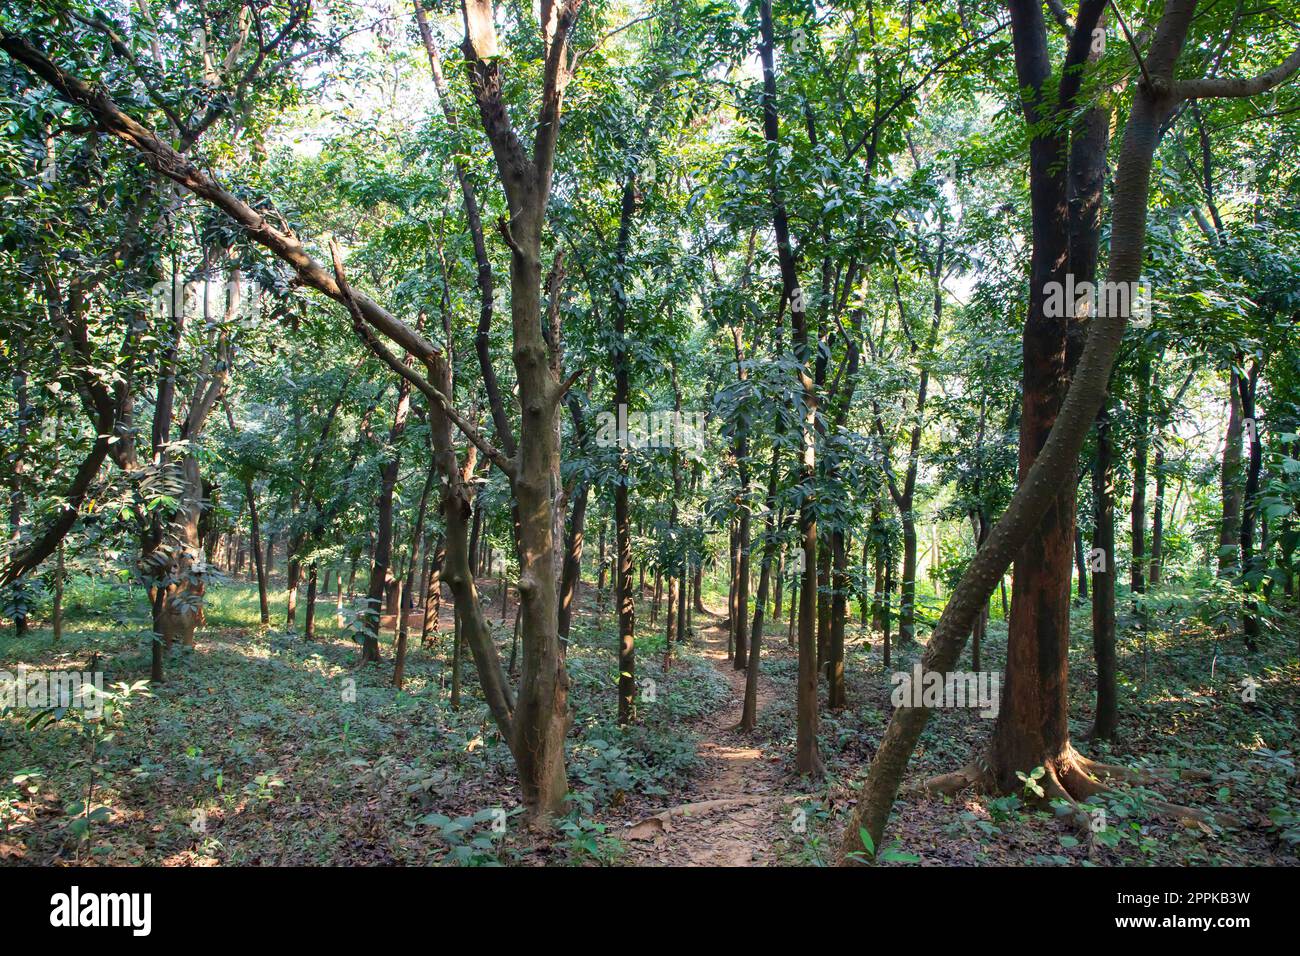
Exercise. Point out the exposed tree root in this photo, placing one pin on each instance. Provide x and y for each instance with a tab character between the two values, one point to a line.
708	806
1140	776
1075	779
968	777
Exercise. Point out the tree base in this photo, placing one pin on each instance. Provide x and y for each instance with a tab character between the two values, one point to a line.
1074	778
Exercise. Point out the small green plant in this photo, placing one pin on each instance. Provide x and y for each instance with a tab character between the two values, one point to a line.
262	787
894	853
586	839
23	782
96	715
1031	783
468	842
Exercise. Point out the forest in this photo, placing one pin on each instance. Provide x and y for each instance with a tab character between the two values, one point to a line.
625	433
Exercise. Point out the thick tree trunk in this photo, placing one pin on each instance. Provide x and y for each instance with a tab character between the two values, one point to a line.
1066	196
1039	492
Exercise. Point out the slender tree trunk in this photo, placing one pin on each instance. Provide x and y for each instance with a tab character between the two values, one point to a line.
1250	504
572	579
1080	564
381	560
17	499
749	708
1230	481
1137	569
740	619
907	587
807	756
56	613
1158	516
1106	716
406	599
309	624
836	696
433	590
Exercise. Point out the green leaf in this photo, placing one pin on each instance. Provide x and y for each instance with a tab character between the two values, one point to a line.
867	842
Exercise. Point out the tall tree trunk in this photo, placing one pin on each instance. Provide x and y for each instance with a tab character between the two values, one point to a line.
836	696
1158	516
572	579
309	624
1105	716
807	756
56	611
1250	504
622	512
406	602
1066	186
1040	491
383	553
433	589
1230	480
1080	564
1141	444
907	586
17	499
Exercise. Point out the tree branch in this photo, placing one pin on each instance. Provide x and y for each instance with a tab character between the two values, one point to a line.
163	159
386	355
1239	86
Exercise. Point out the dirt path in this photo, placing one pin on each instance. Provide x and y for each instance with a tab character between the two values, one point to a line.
734	768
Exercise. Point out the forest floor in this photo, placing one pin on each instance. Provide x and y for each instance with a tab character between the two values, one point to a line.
264	749
737	797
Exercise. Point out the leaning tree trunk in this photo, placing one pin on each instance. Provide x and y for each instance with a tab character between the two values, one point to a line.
1039	491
